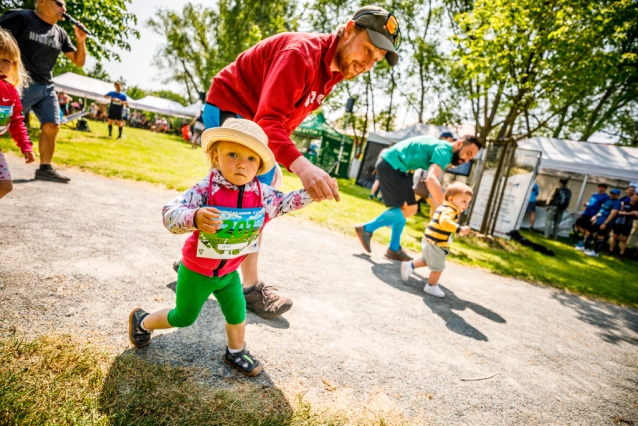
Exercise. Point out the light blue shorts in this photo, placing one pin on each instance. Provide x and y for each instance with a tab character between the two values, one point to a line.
42	99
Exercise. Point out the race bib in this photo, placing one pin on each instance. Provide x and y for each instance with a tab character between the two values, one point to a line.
238	235
6	112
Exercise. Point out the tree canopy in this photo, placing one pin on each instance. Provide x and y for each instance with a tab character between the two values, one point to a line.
200	41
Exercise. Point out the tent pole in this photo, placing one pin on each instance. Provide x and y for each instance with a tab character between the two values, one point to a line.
580	195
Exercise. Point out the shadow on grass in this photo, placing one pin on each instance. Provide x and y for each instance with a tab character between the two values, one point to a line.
444	308
18	181
615	323
180	379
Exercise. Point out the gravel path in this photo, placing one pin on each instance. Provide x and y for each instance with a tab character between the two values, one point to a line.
77	258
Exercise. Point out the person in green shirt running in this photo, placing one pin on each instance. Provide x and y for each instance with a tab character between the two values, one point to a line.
394	172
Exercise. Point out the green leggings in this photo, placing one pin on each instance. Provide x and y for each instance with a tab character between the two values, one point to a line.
193	290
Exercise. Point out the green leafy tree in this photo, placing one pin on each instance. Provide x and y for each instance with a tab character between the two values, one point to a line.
108	20
201	41
98	72
189	53
536	68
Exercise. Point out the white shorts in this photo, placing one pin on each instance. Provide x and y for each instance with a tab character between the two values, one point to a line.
433	255
4	168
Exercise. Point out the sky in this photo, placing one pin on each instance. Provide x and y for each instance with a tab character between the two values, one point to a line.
136	66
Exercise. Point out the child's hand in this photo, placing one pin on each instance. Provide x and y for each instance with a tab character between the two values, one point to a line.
465	230
29	156
207	220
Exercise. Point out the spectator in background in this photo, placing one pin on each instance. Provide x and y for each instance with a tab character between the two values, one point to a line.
624	224
119	100
143	121
186	133
531	206
198	127
583	223
602	223
135	119
65	102
557	205
126	112
375	191
93	111
629	192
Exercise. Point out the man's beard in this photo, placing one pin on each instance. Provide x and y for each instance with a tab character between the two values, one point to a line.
340	59
456	158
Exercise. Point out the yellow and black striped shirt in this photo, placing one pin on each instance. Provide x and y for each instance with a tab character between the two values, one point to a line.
443	224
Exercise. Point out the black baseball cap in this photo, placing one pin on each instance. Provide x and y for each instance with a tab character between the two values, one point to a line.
373	19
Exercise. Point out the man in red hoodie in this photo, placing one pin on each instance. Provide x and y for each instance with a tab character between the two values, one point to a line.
276	84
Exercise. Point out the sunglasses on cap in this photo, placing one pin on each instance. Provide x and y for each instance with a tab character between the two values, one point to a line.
391	26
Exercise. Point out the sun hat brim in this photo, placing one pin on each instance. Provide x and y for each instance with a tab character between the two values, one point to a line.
211	136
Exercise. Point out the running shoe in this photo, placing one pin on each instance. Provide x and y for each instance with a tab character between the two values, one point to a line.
364	237
591	253
434	290
136	334
397	255
51	175
406	270
243	361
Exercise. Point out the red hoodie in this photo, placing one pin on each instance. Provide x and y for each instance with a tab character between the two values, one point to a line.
11	116
277	83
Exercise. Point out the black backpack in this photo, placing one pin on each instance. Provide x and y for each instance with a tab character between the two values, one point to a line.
83	125
563	197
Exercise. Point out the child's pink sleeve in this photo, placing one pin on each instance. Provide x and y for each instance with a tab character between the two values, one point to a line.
17	128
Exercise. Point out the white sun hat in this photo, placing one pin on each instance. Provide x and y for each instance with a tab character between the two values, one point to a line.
243	132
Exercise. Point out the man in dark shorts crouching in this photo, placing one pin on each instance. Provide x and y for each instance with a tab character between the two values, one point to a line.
118	101
395	178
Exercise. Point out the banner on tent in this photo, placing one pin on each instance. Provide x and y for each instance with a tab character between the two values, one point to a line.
515	197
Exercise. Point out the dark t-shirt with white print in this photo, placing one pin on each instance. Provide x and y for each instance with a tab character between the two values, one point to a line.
40	43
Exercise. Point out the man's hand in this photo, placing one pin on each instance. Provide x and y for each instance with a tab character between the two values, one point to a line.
80	35
602	227
465	230
593	219
29	156
318	183
207	220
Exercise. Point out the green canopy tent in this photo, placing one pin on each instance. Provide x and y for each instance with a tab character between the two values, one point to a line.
335	149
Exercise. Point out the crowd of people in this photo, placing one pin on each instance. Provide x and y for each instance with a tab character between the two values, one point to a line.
607	218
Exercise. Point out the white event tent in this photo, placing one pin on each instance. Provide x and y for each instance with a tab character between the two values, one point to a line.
91	88
162	106
586	158
83	86
585	164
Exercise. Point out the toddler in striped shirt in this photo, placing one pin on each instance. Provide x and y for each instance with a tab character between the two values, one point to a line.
438	236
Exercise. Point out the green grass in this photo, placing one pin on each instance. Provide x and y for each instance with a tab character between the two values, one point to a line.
55	380
166	160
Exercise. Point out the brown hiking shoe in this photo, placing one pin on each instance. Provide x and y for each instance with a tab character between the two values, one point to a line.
364	237
398	255
263	301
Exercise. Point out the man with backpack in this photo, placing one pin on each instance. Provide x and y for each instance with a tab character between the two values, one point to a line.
557	205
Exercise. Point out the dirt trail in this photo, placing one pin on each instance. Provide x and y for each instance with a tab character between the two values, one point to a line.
77	258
